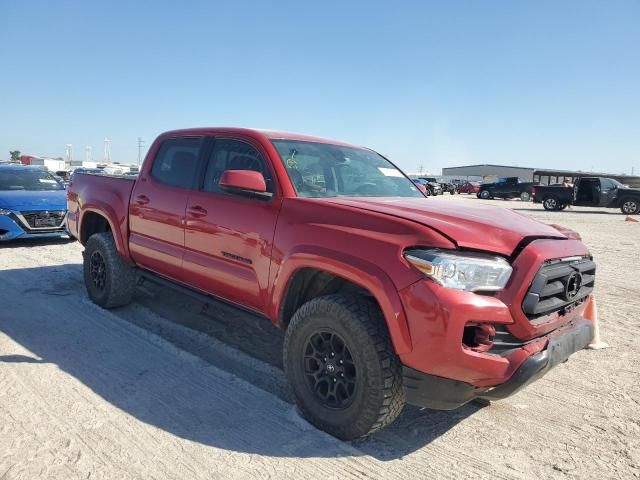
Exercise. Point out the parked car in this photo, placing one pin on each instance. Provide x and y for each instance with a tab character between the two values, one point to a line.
589	192
32	203
445	186
448	187
432	185
469	187
386	298
508	187
90	171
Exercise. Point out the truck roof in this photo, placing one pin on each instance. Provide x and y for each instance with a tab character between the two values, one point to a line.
270	134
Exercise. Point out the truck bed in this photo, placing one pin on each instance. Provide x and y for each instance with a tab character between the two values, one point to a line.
564	194
100	193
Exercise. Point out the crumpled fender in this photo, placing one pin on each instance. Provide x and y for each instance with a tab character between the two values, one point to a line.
362	273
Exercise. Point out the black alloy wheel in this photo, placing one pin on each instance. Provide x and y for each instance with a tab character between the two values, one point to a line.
330	370
98	270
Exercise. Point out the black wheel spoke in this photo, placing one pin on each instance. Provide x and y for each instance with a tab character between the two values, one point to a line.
98	270
329	369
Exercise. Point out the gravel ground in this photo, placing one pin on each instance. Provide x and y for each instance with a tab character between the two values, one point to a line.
171	388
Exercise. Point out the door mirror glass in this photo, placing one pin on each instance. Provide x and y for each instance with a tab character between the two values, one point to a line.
244	182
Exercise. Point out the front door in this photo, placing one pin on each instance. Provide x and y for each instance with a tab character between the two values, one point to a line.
229	237
588	192
157	207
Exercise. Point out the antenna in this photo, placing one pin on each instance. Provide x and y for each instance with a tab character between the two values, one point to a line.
107	150
140	146
87	153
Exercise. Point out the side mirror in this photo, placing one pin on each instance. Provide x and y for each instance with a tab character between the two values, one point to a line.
422	188
244	182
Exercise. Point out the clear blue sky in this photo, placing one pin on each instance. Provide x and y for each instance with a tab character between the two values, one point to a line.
536	83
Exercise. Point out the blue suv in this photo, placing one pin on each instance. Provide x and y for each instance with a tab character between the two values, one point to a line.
32	203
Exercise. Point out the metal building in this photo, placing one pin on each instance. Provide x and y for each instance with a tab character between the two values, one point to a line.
488	172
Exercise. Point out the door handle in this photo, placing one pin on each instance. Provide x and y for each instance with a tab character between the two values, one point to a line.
197	211
142	199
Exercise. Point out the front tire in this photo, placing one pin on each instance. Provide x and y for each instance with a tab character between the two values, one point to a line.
630	206
484	194
525	196
342	370
109	281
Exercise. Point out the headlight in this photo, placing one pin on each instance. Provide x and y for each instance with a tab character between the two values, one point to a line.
474	272
4	211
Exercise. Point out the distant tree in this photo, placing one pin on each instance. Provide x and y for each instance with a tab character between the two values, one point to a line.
15	155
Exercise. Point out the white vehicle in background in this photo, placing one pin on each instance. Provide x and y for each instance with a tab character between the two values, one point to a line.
120	169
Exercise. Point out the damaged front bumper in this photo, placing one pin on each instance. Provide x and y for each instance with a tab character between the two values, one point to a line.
441	393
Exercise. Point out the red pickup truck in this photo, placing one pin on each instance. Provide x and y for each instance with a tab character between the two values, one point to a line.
387	297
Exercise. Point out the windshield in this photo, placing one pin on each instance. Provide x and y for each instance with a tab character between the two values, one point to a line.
28	179
323	170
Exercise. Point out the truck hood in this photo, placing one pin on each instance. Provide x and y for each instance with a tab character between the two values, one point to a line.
481	227
24	200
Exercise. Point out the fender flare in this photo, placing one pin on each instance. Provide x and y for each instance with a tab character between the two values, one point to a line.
356	270
109	214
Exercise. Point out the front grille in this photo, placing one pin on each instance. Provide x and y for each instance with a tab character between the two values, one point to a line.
559	285
44	219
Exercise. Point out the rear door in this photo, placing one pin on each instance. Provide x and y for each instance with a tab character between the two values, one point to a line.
608	192
158	203
229	237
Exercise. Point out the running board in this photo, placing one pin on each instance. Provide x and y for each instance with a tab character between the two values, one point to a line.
147	276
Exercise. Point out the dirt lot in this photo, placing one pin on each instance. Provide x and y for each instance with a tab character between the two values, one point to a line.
171	388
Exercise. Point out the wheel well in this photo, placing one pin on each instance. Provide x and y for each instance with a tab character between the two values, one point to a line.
92	223
309	283
628	197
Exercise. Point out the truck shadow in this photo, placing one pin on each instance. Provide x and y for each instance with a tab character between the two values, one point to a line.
154	383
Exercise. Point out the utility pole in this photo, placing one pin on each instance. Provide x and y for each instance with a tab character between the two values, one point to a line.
68	155
140	146
107	150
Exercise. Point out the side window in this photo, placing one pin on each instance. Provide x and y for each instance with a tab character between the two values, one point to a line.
233	155
608	184
176	162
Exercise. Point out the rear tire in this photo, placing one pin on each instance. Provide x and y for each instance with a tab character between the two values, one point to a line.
484	194
342	370
551	203
109	281
630	206
525	196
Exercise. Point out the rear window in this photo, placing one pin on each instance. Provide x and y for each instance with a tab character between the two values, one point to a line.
176	162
